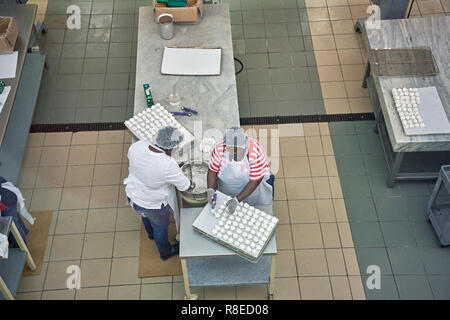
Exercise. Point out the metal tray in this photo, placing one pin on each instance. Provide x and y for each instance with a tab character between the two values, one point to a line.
206	221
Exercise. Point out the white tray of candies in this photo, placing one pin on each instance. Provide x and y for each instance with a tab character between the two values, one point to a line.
146	124
247	231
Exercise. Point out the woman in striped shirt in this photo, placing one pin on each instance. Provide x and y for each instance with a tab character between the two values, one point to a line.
239	168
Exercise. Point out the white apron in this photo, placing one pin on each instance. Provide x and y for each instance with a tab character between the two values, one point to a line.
236	175
132	183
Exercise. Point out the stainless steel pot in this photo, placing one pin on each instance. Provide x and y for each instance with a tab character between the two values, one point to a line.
193	197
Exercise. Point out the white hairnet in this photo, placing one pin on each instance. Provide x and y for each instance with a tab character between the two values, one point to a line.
236	137
168	138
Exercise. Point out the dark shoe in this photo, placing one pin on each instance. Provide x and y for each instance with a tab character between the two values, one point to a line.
175	251
151	238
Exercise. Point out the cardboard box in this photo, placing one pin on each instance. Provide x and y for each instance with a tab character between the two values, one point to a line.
8	34
181	15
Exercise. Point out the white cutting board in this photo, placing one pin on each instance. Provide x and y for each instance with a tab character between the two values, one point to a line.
191	61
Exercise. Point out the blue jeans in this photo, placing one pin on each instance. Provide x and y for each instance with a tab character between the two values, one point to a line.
157	226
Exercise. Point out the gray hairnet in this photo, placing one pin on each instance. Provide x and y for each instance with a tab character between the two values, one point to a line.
168	138
236	137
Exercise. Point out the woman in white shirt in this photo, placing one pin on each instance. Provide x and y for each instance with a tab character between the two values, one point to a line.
152	171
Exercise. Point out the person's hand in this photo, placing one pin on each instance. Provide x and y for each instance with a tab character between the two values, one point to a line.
231	205
210	192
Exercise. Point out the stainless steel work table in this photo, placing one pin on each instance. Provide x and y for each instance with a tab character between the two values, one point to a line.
214	97
207	263
418	156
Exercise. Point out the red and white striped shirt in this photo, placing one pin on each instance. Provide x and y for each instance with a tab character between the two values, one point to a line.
259	166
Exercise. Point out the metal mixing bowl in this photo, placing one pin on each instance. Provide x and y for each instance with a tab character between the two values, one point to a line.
190	196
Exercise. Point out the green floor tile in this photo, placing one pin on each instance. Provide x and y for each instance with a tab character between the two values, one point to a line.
61	115
123	21
414	188
268	4
119	65
341	128
237	31
244	110
373	257
243	94
242	78
100	21
375	164
259	76
257	60
71	66
301	74
53	36
436	260
252	16
262	108
239	46
68	82
416	208
64	99
57	7
370	144
99	35
305	91
364	127
413	287
274	16
73	50
367	234
308	107
399	233
251	31
278	45
94	65
88	115
379	188
261	93
276	30
280	60
288	108
102	7
355	186
85	6
76	36
294	29
360	209
113	114
250	4
115	98
92	82
440	285
124	7
286	92
390	209
297	43
122	34
55	21
235	17
117	81
91	98
406	260
282	76
53	50
96	50
346	145
119	50
387	291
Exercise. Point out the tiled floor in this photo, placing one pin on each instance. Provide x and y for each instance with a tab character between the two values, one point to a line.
91	72
78	176
336	214
389	225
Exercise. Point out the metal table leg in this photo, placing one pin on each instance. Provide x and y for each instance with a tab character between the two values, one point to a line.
187	290
272	277
395	168
5	290
366	75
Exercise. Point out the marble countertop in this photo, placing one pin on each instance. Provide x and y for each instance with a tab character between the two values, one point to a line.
416	32
214	97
